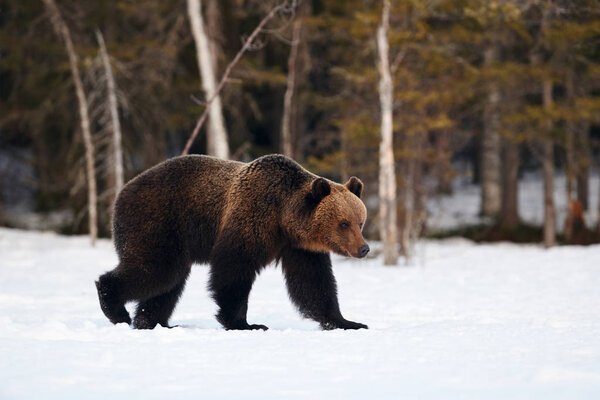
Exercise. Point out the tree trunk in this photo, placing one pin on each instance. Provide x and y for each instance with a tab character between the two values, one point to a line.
2	221
216	138
387	175
287	126
570	167
154	146
116	147
63	31
509	217
408	205
443	165
415	205
583	186
345	158
598	221
215	27
548	167
420	207
292	123
490	145
582	150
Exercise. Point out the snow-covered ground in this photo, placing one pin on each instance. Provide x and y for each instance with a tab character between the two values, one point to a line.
462	207
466	321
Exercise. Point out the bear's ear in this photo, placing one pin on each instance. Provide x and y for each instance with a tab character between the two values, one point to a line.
319	189
355	185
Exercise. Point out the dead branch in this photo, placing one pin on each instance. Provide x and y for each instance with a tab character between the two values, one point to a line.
247	45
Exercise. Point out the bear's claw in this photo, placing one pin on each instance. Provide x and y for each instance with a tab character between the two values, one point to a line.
354	325
343	324
242	326
258	326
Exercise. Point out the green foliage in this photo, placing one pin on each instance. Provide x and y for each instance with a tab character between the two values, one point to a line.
436	50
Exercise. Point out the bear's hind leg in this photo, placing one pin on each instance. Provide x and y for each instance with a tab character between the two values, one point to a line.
140	282
111	299
158	309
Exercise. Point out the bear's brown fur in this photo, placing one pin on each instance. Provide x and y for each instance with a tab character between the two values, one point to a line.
238	218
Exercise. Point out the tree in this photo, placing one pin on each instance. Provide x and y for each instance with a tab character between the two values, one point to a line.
509	213
217	143
569	155
115	125
496	26
598	222
289	137
582	156
490	143
387	177
248	43
548	169
63	31
547	145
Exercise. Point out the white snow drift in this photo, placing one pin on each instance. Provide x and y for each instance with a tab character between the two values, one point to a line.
467	321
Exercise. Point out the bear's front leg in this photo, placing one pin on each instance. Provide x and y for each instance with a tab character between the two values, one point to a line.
312	288
342	324
233	307
231	278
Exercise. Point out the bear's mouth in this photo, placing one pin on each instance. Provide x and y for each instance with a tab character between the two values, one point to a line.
338	250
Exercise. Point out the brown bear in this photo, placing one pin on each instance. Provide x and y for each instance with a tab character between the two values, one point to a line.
238	217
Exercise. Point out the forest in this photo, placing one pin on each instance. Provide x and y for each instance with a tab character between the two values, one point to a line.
408	95
473	124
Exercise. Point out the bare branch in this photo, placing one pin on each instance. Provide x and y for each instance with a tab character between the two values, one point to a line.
247	45
217	143
398	59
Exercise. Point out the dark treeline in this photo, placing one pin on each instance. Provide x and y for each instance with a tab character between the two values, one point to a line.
502	85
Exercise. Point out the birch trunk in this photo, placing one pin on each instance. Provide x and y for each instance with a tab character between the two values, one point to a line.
548	167
247	43
63	31
509	217
117	149
387	175
216	138
287	128
490	145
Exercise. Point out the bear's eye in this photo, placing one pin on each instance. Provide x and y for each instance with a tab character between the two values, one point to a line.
344	225
360	226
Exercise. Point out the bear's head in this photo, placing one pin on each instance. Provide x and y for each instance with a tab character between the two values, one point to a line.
336	218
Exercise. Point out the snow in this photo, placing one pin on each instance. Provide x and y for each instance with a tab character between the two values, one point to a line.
462	207
466	321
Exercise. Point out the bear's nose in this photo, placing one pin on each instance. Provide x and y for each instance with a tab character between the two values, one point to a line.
363	250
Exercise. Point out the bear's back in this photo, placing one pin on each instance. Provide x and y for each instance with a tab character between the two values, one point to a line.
177	201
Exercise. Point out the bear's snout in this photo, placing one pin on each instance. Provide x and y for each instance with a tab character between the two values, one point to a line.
363	250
